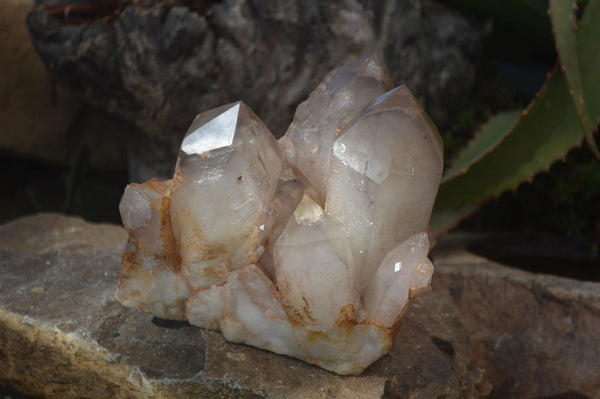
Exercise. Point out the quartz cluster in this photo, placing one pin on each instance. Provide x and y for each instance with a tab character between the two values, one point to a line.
312	246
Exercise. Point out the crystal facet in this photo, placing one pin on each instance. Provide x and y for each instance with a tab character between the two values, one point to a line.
312	247
344	92
234	177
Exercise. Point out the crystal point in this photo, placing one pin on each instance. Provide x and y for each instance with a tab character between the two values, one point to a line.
218	132
343	93
236	184
312	247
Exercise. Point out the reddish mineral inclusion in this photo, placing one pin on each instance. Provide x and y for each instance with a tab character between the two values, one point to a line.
312	247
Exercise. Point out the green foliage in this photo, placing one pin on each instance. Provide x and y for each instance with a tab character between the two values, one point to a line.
514	146
564	201
563	16
589	58
493	133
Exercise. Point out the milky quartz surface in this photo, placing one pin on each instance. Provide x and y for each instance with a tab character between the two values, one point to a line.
312	246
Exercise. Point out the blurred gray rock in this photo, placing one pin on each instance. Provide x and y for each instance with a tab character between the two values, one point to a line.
158	65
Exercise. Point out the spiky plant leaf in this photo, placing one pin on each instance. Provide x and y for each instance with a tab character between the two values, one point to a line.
564	25
449	218
546	131
588	40
492	133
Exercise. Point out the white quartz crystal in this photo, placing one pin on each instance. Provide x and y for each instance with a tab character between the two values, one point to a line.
344	92
312	247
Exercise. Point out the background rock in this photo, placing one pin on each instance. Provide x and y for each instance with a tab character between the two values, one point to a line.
41	120
536	335
62	334
158	65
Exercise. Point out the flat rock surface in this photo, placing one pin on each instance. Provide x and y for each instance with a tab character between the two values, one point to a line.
62	334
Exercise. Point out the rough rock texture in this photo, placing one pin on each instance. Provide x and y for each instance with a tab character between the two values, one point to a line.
63	335
537	336
40	119
159	66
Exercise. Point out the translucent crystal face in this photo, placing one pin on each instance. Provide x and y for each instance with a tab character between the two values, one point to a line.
315	256
314	294
151	265
230	164
211	130
344	92
373	179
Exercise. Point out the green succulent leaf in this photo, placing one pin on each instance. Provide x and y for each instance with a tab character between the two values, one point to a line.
564	24
449	218
588	40
493	132
546	131
566	111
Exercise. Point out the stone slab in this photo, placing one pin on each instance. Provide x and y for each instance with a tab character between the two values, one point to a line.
536	335
62	334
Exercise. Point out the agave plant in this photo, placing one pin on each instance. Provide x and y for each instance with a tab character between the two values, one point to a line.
514	146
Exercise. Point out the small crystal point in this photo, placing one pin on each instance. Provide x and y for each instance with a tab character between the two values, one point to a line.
389	290
212	130
308	211
318	257
150	266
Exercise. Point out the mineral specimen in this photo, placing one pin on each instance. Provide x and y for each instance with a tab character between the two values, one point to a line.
312	247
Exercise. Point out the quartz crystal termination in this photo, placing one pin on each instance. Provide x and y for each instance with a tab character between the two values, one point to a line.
312	247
